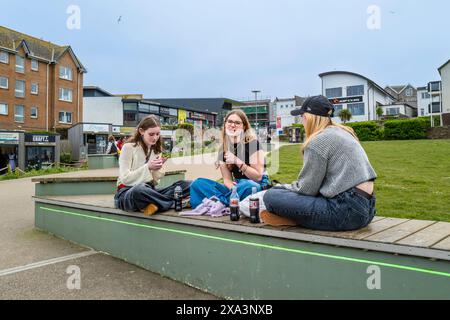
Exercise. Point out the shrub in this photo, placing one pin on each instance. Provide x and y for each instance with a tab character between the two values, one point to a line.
367	131
410	129
65	158
187	126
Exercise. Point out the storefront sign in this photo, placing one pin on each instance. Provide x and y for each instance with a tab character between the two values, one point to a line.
88	127
40	138
116	129
9	137
346	100
197	115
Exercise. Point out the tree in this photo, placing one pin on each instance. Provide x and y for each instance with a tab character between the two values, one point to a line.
379	112
345	115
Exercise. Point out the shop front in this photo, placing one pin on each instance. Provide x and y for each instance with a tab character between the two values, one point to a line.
28	151
41	151
89	138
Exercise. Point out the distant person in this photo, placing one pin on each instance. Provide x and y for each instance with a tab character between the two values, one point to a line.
12	161
335	188
120	143
112	146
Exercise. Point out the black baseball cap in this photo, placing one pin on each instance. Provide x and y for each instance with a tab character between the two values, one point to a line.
318	105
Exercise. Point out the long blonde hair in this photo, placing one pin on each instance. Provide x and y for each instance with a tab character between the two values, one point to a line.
314	125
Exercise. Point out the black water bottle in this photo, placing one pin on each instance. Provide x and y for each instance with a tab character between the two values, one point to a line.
254	207
178	195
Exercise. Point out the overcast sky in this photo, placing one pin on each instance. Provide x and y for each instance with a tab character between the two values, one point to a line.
226	48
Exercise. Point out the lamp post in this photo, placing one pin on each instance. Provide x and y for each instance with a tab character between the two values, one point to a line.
256	107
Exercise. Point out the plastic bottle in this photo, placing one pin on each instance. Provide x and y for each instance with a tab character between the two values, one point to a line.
178	195
254	207
234	205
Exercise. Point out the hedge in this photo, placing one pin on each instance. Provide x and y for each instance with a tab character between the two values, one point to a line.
411	129
367	131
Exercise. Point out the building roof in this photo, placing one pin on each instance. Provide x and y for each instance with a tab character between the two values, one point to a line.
442	67
358	75
200	104
11	40
95	88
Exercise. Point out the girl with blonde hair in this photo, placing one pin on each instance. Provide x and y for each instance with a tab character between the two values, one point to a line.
334	190
241	161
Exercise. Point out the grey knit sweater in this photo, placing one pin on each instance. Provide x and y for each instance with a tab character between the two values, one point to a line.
333	162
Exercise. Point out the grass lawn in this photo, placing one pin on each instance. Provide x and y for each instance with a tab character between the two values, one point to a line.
413	176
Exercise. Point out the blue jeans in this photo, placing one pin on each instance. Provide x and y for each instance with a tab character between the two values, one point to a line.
347	211
205	188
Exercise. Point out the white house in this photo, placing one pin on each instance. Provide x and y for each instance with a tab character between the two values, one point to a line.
283	108
355	92
401	108
423	101
444	71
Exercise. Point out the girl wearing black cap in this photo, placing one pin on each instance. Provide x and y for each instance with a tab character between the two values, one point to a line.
334	191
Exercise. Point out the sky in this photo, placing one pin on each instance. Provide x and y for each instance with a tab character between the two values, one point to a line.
227	48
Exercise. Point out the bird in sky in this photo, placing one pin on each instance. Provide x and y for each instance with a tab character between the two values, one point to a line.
120	19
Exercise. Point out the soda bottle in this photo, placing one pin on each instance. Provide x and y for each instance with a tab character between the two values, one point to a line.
234	205
254	207
178	195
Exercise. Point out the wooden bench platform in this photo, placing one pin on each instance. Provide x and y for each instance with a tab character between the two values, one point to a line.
241	260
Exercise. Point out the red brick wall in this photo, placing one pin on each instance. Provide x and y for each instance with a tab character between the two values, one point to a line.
40	100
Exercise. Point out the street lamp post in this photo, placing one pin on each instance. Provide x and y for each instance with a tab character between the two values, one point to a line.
256	107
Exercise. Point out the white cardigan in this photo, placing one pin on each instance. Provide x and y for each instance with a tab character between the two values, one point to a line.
133	169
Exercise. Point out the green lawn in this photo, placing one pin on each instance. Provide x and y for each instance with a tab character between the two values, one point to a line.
413	176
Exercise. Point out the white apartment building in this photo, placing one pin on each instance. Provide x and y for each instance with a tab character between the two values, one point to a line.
444	71
355	92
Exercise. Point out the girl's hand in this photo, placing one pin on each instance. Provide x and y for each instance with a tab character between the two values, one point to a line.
230	158
155	164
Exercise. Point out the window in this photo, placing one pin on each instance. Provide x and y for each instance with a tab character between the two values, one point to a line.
34	65
3	109
34	88
65	117
355	91
392	111
436	107
20	89
34	112
4	57
129	118
434	86
65	94
333	92
20	64
337	109
4	83
19	113
357	109
130	107
409	92
65	73
422	112
425	95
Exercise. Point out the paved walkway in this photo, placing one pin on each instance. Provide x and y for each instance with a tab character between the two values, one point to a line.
102	277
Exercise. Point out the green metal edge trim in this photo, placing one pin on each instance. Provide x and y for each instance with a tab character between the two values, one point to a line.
260	245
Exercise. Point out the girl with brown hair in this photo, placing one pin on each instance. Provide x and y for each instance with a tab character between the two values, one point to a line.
140	169
241	161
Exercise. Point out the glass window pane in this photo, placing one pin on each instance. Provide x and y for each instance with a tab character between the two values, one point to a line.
130	106
34	65
20	64
4	57
333	92
33	112
4	82
20	89
355	91
19	113
3	109
357	109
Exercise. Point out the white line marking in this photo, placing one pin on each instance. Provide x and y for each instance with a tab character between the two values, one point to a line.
46	263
